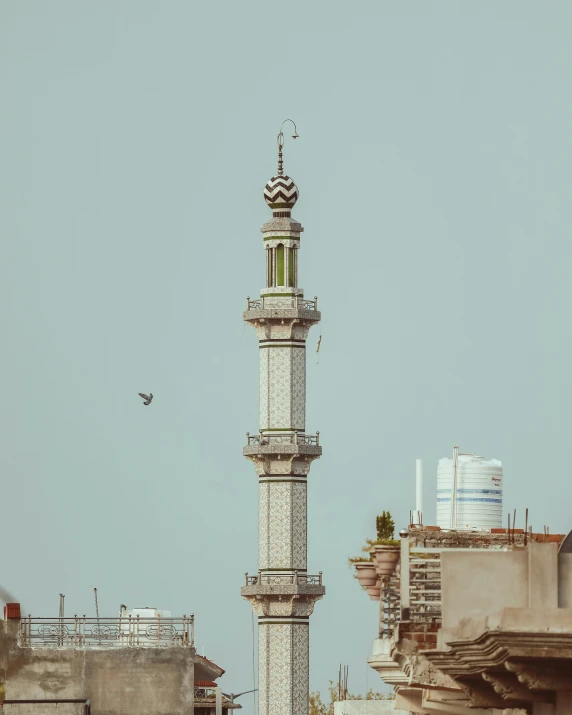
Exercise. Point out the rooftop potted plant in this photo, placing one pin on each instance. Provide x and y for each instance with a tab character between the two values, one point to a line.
374	592
383	554
385	550
364	569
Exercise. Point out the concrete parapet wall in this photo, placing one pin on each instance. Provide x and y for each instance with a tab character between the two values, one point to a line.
482	583
121	681
434	537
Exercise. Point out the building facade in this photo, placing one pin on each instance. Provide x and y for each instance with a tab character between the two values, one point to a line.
282	593
131	665
102	666
477	623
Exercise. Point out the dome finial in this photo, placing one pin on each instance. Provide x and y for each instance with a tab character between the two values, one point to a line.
281	193
280	140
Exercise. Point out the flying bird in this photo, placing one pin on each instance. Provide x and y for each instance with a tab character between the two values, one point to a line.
148	398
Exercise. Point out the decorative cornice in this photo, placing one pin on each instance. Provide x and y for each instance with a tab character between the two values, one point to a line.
284	589
284	600
482	695
286	450
282	235
388	662
508	687
541	676
279	314
282	224
516	666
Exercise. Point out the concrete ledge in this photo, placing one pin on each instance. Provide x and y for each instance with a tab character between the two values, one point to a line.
287	449
311	316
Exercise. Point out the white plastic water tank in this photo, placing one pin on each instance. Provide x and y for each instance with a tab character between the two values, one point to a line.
146	612
478	503
143	626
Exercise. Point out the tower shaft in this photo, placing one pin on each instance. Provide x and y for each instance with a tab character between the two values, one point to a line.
282	592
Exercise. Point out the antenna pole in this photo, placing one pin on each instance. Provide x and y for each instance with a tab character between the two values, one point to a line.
60	638
418	489
96	606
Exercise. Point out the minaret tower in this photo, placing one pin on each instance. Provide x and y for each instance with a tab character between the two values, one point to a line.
282	593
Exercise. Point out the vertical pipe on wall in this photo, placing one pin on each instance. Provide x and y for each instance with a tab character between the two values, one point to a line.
419	489
404	580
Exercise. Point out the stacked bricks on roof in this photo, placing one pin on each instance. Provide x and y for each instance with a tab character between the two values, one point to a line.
12	611
434	537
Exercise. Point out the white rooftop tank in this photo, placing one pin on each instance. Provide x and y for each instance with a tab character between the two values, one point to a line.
146	612
143	626
474	502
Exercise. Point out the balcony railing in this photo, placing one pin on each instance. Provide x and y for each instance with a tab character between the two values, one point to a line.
425	588
265	440
296	579
282	303
390	606
82	632
205	692
414	594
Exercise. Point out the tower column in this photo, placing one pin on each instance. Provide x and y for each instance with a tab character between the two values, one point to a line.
282	592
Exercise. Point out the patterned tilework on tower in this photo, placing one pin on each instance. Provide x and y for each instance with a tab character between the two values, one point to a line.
282	593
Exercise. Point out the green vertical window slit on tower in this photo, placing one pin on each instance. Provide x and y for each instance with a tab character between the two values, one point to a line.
291	266
280	264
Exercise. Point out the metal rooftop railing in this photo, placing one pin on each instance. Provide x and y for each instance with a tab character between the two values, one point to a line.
129	632
265	440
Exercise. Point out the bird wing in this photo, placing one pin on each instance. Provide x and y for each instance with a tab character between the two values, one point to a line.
141	394
150	396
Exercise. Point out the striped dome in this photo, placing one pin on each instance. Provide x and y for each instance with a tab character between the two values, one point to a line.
281	192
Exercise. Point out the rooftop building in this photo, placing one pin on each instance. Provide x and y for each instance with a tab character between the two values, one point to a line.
142	663
474	622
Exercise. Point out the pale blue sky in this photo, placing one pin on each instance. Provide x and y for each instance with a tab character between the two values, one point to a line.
434	170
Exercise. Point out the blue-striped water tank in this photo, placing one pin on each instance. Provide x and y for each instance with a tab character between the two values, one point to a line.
479	493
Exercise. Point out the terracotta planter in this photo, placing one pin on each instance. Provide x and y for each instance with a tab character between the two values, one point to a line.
374	592
385	559
366	573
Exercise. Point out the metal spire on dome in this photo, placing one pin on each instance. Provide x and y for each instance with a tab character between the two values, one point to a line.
281	193
280	140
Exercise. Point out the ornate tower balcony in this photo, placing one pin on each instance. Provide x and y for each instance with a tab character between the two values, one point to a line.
282	453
